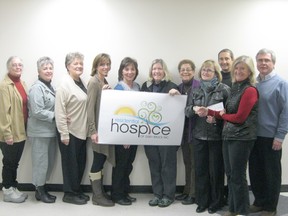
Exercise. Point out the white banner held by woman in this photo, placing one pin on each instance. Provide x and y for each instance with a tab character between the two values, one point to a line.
141	118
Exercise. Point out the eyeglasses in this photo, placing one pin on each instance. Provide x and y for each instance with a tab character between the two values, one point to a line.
208	70
185	69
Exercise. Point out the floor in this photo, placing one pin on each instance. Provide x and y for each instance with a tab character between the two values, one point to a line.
35	208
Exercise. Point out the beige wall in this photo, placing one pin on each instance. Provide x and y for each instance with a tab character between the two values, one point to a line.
142	29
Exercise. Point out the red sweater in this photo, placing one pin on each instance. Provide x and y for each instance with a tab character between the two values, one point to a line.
248	100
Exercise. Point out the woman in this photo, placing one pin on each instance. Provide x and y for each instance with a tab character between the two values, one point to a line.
13	119
186	70
124	155
100	69
41	128
71	115
239	133
209	168
162	159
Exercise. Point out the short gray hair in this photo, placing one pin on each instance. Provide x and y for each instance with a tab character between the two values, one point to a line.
44	61
70	57
267	51
10	59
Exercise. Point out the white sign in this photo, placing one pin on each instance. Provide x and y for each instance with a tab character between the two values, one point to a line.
141	118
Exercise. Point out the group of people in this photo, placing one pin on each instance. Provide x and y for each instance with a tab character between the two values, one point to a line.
232	118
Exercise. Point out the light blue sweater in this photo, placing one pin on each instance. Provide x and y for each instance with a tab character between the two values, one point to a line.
273	107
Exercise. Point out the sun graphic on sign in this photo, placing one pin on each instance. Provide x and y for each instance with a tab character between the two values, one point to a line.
125	111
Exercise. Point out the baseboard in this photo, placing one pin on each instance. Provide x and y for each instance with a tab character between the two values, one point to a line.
87	188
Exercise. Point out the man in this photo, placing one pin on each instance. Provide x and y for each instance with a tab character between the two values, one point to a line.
225	60
265	159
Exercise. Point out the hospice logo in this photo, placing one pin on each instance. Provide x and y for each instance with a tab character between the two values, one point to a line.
146	122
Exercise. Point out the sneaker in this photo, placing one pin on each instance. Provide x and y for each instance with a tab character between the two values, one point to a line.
10	195
165	202
21	194
154	201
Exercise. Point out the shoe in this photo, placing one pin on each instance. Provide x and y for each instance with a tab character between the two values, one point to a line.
154	202
165	202
212	210
254	208
11	195
200	209
228	213
21	194
181	197
123	201
84	196
268	213
188	201
51	196
41	195
74	199
132	199
48	194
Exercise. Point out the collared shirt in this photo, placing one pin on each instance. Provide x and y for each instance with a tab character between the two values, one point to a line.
268	76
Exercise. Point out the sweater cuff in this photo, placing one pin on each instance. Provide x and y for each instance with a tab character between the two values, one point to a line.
65	136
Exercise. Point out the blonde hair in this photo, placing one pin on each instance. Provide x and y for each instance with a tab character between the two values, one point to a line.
247	61
211	63
165	69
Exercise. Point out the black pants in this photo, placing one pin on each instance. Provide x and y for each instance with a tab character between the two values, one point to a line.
265	173
120	173
73	158
236	154
163	168
98	162
209	173
11	157
189	163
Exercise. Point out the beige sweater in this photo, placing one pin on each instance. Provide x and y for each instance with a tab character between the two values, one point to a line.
71	102
11	115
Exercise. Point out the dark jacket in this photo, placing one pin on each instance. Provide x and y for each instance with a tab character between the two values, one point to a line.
189	122
202	129
163	86
246	130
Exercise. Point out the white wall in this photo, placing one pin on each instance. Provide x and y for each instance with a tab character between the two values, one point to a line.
142	29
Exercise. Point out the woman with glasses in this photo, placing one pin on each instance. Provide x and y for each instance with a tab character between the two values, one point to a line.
209	167
186	70
13	119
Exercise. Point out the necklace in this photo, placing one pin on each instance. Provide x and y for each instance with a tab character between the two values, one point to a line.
186	89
